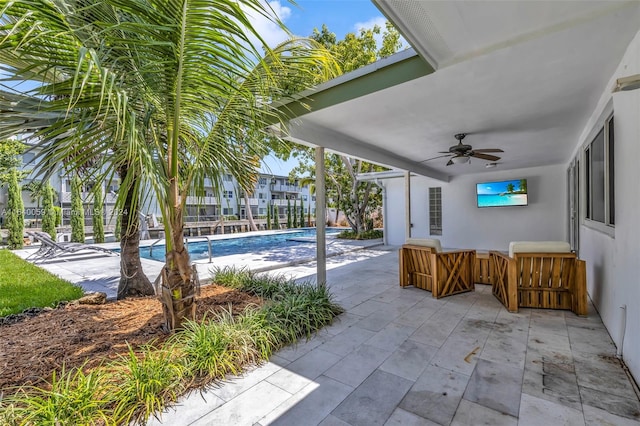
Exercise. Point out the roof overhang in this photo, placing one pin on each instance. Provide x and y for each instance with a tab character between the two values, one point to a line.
521	76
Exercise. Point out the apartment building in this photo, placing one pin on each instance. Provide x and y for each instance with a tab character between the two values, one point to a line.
229	200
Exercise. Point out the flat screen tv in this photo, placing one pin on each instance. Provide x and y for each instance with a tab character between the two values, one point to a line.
504	193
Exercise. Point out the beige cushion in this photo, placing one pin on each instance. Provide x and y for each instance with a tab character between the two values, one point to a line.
538	247
426	242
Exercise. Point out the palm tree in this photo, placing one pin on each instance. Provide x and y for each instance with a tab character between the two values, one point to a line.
164	83
60	108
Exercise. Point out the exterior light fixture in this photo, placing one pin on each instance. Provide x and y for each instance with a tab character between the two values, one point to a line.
627	83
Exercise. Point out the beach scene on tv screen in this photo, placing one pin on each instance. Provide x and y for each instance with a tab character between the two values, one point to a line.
504	193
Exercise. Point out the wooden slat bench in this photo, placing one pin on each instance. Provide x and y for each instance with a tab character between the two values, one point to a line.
441	273
540	280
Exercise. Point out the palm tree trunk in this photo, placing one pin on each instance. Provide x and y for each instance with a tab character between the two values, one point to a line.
179	280
252	223
133	281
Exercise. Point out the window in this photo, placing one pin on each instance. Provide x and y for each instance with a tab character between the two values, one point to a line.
227	178
261	195
435	211
304	197
313	198
599	176
227	194
262	181
227	211
262	211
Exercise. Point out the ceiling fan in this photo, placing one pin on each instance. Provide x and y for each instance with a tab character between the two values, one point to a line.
461	153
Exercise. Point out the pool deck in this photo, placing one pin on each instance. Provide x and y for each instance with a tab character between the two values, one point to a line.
96	272
399	357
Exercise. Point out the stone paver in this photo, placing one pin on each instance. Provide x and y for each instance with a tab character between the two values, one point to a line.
399	357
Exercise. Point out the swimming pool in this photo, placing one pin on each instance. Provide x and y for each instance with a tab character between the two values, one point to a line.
237	244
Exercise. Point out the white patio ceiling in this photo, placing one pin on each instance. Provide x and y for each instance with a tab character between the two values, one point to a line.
521	76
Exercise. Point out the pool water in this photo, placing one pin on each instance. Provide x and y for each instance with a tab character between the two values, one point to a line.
237	244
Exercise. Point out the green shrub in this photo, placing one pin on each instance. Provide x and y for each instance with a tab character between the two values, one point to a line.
77	211
58	211
98	215
366	235
49	214
145	383
74	398
296	309
209	348
15	213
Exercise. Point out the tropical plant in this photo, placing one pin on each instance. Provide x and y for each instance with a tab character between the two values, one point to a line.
98	214
289	222
15	213
77	211
141	383
146	381
510	187
172	82
48	212
73	397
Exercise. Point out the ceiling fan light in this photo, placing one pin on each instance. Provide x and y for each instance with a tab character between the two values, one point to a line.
460	159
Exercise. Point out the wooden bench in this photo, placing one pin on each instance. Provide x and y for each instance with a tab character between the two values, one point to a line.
441	273
540	280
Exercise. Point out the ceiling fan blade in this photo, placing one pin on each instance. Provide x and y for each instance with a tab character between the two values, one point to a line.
484	156
450	162
488	150
439	156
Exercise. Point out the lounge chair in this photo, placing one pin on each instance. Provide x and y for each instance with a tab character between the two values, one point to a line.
50	249
425	265
540	274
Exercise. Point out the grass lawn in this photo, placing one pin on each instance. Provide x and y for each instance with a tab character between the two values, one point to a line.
23	285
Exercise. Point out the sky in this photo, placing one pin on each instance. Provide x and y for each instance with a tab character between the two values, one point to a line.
340	16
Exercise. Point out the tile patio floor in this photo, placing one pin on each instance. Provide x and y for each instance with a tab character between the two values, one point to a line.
399	357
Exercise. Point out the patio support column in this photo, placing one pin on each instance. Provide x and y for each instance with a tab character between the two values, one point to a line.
321	219
407	204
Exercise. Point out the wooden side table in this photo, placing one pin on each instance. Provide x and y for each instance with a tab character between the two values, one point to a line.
482	270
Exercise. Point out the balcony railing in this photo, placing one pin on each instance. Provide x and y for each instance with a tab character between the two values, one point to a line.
87	196
286	188
252	201
202	201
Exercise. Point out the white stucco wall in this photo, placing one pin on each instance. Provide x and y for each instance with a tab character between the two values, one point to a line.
613	262
467	226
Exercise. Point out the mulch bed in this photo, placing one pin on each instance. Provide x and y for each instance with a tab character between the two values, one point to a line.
34	345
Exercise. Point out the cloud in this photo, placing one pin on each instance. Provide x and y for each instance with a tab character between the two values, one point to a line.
270	32
379	21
